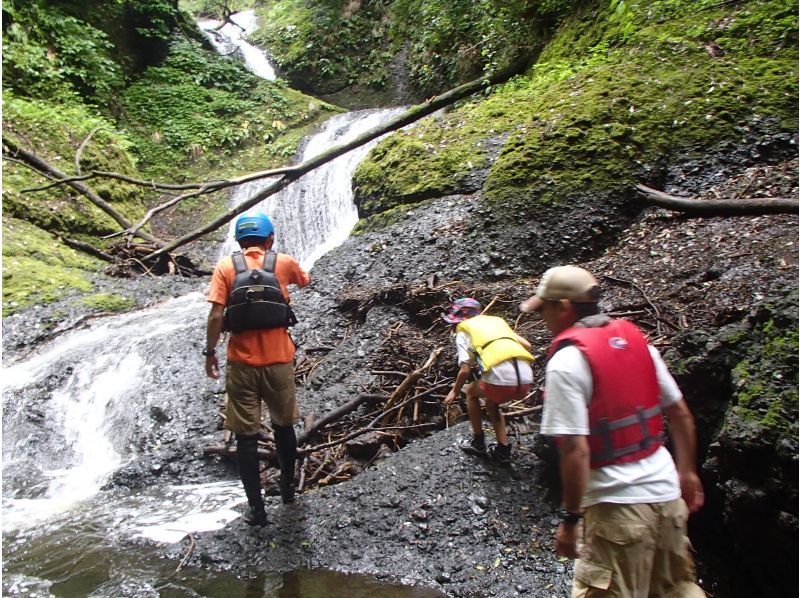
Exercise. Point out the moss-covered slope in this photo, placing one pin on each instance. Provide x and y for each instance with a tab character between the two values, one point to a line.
612	99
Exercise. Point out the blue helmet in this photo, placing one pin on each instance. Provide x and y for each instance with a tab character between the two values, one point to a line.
253	225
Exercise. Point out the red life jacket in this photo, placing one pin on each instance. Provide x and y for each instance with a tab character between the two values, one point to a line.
625	423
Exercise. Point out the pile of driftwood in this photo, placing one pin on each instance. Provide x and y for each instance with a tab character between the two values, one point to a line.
403	401
345	441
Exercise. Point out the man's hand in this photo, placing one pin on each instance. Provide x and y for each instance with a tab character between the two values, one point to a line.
691	490
212	366
567	540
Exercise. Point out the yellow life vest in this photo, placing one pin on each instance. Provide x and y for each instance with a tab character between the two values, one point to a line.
493	341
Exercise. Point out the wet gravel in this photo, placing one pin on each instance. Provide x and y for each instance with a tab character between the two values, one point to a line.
428	514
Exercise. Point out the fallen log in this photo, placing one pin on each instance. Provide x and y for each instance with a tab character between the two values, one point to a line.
334	415
719	207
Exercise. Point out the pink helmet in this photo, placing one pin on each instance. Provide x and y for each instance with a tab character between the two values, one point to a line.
462	309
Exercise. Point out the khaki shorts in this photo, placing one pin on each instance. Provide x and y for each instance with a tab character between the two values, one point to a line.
635	551
248	385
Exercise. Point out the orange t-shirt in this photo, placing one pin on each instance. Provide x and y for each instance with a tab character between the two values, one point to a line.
258	347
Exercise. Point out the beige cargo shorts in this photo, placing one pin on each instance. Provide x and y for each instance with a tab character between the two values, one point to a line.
247	386
635	551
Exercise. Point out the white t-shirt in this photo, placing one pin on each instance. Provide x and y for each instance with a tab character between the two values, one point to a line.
503	374
568	392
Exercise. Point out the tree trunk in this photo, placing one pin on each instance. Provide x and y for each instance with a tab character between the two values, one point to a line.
719	207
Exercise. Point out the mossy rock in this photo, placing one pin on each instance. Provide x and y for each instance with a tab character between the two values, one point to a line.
38	268
54	133
108	302
601	110
765	383
381	221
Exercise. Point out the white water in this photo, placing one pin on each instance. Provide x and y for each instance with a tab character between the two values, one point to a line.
229	39
316	213
113	374
97	403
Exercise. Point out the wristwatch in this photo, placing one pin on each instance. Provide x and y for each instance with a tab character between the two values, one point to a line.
569	517
209	352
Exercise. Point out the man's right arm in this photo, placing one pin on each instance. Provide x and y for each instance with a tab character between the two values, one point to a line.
682	431
213	332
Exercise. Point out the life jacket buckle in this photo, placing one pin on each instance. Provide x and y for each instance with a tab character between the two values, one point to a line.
253	294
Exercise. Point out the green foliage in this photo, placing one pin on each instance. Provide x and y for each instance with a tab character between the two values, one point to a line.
333	43
327	45
623	15
39	269
449	41
48	54
593	109
198	103
155	18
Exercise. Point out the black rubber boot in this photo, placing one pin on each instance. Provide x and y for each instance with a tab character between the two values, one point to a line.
286	447
247	460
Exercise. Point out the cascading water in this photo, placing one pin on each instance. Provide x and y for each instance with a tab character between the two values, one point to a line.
317	213
230	38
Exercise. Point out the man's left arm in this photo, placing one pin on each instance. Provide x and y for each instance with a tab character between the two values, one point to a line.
682	431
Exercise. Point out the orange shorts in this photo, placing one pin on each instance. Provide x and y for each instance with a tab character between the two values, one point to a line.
503	394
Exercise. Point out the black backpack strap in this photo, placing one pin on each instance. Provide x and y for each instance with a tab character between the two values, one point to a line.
239	263
270	257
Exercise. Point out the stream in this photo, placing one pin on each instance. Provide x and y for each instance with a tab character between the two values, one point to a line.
88	404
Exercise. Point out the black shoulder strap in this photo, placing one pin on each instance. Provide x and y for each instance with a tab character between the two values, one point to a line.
239	263
270	257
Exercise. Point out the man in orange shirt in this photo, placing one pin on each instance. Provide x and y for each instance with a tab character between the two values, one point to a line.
249	298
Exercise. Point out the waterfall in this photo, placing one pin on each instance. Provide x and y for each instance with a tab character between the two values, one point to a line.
230	38
316	213
70	412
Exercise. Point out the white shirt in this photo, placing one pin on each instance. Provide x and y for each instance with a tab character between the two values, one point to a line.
503	374
568	392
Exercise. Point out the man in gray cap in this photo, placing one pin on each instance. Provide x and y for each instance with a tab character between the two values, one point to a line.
605	389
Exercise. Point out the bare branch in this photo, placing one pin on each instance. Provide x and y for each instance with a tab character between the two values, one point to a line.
80	149
43	167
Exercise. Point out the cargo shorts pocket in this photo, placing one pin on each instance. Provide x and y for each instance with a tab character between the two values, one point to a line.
592	575
621	534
